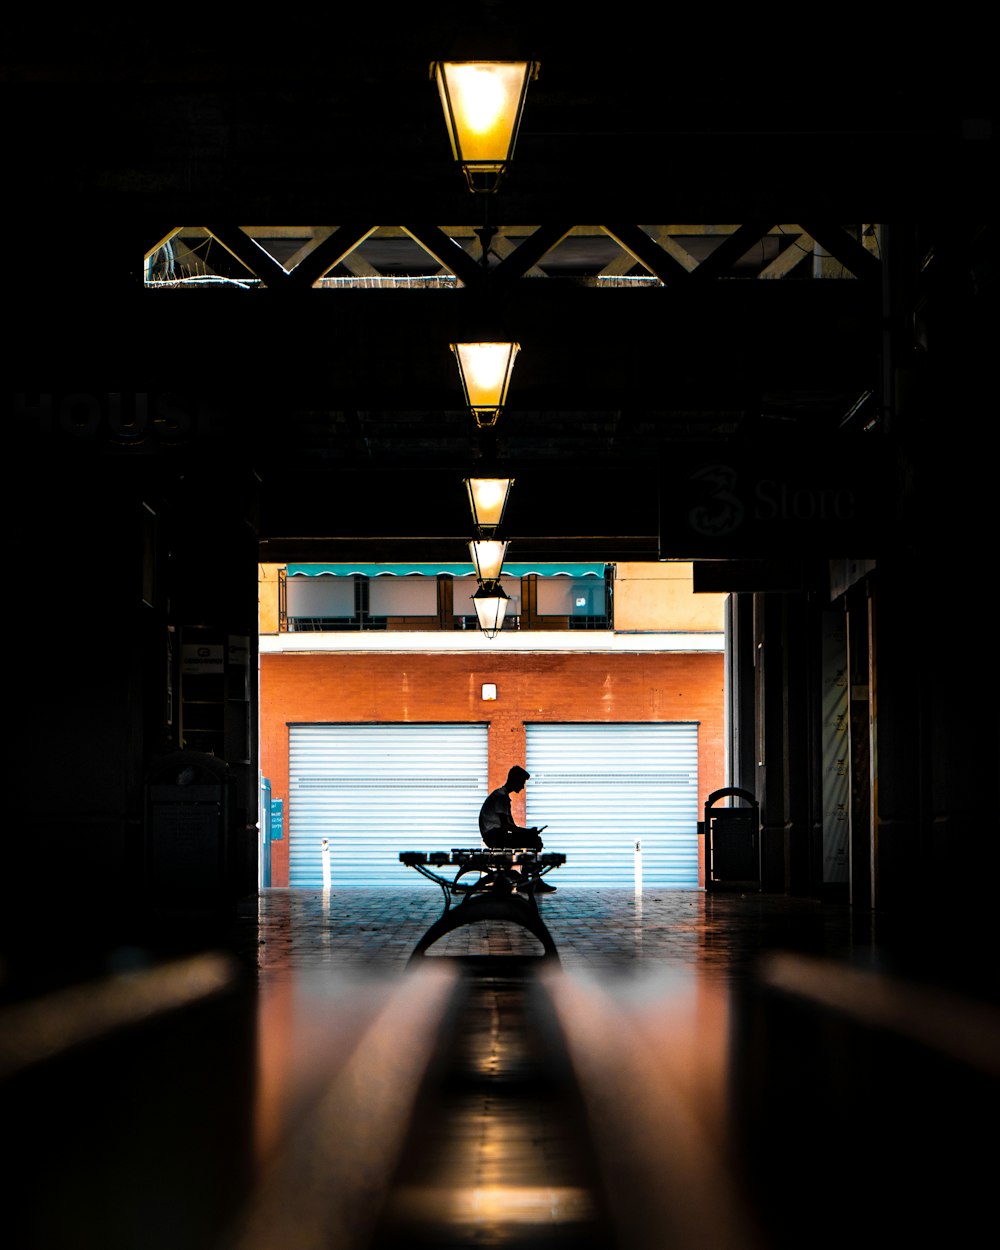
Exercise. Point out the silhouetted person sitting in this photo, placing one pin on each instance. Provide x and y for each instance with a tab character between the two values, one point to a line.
498	828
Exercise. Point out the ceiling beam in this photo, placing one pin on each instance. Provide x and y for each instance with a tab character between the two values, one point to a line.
328	253
731	249
638	244
851	254
248	252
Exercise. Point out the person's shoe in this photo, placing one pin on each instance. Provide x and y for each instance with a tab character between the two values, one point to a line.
543	887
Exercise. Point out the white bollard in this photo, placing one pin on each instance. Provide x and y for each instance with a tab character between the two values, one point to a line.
637	911
324	854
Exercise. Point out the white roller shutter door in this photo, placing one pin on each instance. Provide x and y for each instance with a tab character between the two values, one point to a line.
603	789
375	790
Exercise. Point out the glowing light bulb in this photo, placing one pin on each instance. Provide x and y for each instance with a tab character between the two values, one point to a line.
482	98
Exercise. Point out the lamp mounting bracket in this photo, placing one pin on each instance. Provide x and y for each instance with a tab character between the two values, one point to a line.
486	234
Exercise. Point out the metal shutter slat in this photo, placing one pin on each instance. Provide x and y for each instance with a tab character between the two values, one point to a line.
603	788
374	790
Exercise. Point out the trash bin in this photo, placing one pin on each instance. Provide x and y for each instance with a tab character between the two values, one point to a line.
732	841
188	806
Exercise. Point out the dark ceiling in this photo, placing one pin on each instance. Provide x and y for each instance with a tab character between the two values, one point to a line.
693	248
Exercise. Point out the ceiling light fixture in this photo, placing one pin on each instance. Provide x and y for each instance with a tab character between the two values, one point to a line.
488	499
488	557
483	102
485	370
491	605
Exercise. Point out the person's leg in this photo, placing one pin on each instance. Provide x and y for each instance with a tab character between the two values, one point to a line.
502	842
541	886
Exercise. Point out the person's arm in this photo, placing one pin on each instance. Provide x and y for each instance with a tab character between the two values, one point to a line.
513	826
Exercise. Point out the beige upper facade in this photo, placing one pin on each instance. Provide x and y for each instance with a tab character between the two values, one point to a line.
649	597
660	596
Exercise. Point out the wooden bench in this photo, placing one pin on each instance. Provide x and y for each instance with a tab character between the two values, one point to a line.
488	885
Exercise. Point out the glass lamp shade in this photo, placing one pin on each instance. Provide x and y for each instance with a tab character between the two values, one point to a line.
483	102
487	556
488	499
491	606
485	370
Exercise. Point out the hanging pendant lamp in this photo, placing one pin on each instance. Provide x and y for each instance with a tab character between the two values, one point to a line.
488	557
488	499
485	370
491	606
483	102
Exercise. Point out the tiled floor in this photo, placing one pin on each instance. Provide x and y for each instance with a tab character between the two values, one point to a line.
716	935
721	1067
310	1084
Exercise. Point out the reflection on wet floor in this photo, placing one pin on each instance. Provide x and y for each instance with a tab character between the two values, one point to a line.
709	936
502	1150
498	1154
627	1093
307	1084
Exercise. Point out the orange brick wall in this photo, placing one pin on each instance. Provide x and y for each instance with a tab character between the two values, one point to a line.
305	689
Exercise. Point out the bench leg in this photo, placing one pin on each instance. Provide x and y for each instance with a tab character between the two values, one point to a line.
483	907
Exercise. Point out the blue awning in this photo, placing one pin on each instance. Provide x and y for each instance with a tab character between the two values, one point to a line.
568	569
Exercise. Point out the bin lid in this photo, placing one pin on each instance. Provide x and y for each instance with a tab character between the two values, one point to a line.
736	792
